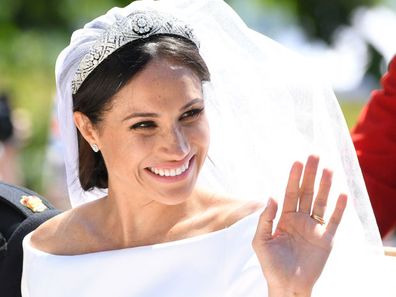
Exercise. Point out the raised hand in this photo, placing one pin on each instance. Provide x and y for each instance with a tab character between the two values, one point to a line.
293	256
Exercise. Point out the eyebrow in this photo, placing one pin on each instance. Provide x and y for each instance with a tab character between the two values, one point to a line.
192	102
156	115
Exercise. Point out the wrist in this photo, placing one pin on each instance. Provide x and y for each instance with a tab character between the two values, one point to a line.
287	292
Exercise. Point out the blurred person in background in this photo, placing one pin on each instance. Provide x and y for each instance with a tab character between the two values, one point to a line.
9	168
374	137
54	172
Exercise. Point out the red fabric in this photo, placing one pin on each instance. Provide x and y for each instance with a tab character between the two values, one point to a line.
374	137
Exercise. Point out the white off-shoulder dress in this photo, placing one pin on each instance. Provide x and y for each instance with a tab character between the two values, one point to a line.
220	263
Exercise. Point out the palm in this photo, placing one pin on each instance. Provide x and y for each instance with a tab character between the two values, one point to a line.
298	250
295	254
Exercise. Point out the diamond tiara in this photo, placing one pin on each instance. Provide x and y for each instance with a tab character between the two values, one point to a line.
137	25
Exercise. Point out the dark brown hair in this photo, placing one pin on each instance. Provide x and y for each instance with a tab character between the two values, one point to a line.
95	94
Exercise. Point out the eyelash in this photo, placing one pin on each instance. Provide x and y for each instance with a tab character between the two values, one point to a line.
188	115
144	125
192	114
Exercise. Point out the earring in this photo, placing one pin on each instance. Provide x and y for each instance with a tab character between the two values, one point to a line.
95	148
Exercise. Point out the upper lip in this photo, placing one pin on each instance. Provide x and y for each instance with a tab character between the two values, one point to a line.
172	164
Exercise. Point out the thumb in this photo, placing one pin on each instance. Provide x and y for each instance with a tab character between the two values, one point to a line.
266	220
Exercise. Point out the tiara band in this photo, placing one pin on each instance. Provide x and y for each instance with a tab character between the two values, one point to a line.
137	25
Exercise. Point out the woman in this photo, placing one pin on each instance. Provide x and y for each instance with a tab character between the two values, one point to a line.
138	92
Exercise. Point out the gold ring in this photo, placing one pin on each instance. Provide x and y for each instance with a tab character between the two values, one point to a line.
319	219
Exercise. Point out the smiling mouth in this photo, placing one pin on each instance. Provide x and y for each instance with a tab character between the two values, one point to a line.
171	171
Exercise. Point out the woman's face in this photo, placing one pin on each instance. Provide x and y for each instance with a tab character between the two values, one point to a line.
155	137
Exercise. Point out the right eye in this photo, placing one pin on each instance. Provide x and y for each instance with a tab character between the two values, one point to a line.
144	125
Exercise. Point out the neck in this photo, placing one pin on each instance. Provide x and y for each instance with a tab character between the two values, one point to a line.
137	220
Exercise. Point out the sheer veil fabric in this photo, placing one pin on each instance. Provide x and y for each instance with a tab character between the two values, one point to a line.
266	108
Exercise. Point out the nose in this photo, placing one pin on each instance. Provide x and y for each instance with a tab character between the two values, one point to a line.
174	144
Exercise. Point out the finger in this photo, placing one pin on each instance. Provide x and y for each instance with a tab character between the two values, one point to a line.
307	187
320	202
266	220
337	214
292	188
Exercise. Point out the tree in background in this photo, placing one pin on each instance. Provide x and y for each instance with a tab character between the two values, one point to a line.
320	19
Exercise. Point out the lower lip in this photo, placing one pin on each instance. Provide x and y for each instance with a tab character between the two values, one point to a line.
172	179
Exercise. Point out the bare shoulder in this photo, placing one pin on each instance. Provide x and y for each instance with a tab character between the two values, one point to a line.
47	237
61	234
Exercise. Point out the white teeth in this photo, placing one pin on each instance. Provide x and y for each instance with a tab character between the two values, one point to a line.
170	172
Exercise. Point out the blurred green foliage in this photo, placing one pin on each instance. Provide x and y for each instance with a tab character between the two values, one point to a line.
351	110
321	18
32	33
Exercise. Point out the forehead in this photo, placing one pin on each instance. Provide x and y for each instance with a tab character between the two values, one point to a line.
162	83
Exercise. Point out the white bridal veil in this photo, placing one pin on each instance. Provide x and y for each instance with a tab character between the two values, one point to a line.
266	108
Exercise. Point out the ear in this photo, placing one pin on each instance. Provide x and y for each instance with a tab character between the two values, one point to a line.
86	128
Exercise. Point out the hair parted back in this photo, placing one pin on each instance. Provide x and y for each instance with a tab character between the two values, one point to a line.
94	96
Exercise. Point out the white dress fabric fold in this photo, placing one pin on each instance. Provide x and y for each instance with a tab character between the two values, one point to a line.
221	263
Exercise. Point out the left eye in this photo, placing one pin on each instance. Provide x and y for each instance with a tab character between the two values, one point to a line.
191	114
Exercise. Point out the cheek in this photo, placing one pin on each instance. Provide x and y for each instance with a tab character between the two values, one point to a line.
206	130
200	135
123	151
